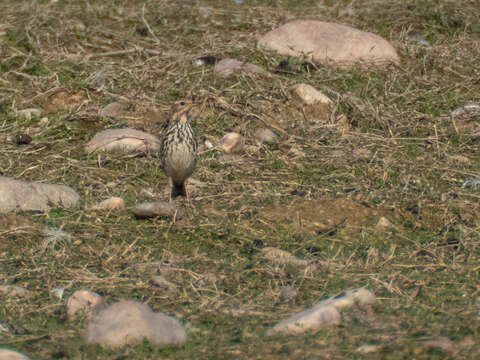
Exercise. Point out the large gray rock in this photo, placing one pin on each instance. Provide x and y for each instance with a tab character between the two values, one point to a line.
129	322
20	195
330	43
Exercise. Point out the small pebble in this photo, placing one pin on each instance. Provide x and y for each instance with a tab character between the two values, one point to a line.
231	142
383	224
282	257
473	182
160	281
29	113
288	292
208	144
22	139
114	110
57	292
84	303
309	95
14	291
368	348
266	136
113	203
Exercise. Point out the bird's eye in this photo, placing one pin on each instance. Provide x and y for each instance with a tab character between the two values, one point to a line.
182	103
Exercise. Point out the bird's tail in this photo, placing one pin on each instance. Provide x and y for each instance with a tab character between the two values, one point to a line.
179	190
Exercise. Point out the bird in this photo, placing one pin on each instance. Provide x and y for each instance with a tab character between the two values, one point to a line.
179	146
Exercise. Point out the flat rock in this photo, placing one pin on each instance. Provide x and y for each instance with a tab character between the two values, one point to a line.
123	140
114	110
14	291
310	319
227	67
129	322
6	354
84	303
330	43
157	209
32	196
309	95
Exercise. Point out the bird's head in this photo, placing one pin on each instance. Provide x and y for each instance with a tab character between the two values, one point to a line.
185	110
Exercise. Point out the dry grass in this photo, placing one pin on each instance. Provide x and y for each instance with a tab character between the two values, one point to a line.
403	158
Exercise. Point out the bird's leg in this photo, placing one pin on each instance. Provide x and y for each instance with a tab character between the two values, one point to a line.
170	193
187	194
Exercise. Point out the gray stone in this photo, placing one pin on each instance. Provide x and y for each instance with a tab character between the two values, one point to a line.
227	67
129	322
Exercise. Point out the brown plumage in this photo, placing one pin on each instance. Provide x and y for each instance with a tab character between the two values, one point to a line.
179	146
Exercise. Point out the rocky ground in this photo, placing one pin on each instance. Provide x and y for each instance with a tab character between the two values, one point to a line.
334	210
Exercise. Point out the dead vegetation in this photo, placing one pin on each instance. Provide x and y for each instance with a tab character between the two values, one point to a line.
391	149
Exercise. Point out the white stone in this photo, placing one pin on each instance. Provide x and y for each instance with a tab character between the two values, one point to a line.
288	292
310	319
309	95
84	303
129	322
125	140
19	195
330	43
